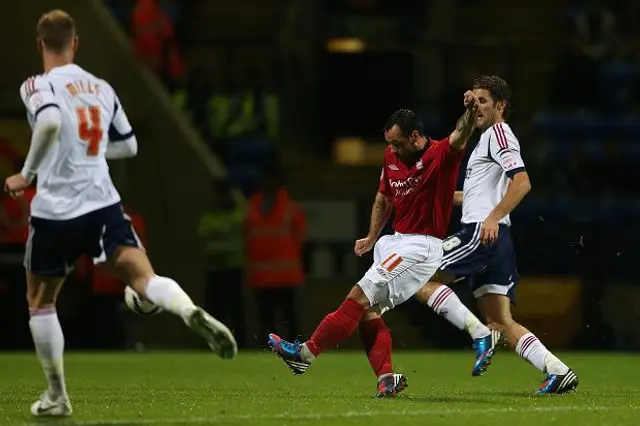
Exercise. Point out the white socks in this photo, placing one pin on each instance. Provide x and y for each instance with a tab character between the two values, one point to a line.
531	349
168	294
445	302
49	342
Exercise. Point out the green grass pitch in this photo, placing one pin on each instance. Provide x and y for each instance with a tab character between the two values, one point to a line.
196	388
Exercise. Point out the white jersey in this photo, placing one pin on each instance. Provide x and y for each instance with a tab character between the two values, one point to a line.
73	178
494	160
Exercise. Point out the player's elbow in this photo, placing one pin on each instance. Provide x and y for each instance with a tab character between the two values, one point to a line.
129	147
132	144
523	183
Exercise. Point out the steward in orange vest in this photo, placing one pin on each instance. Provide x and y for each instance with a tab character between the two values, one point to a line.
274	229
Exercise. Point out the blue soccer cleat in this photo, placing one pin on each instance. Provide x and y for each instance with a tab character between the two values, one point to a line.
485	348
391	385
558	383
290	353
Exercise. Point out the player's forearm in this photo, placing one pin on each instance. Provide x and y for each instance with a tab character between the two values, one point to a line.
379	214
518	188
457	198
45	133
122	149
464	128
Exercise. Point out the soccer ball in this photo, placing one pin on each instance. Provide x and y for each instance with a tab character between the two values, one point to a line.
141	307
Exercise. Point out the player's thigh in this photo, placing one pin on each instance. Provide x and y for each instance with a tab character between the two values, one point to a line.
51	251
463	253
501	274
119	244
416	280
407	262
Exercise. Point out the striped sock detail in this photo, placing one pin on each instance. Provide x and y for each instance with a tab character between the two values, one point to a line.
34	312
439	298
526	344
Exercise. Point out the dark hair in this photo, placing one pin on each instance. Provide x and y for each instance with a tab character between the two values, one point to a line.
407	121
498	88
56	29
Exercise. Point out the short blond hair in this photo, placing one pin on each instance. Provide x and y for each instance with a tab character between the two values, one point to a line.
57	30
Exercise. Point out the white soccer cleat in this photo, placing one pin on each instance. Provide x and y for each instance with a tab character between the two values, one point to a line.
48	407
217	335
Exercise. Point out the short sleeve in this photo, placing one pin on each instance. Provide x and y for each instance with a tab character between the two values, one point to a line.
383	187
120	128
37	94
504	149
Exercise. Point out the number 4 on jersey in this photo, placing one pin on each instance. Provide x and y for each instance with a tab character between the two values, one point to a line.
90	128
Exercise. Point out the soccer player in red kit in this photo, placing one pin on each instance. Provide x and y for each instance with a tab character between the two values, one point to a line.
418	179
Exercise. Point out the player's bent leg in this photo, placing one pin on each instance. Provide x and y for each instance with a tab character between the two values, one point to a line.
48	339
333	329
376	338
496	308
445	302
133	266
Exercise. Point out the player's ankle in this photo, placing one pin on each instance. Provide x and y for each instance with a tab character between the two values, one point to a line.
306	354
478	330
554	365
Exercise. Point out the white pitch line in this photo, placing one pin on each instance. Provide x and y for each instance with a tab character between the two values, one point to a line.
344	415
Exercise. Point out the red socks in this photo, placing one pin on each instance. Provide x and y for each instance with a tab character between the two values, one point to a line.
377	344
336	327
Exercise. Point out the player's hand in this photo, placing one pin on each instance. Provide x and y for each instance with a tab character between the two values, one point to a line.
489	231
15	185
363	245
470	100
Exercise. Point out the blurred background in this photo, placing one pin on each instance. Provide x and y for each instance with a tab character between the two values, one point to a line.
259	126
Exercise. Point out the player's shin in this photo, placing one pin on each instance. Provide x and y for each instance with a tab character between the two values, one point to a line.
48	340
333	329
531	349
168	294
376	338
445	302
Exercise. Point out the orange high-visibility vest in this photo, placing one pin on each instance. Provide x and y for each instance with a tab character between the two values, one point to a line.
274	243
14	218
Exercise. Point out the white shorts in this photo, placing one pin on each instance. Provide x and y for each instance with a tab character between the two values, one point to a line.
402	264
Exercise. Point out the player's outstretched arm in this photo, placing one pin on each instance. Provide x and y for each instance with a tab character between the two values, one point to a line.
466	124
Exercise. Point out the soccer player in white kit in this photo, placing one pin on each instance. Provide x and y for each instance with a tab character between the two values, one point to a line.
482	251
78	123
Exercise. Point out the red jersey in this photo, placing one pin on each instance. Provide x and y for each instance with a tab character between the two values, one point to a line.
422	193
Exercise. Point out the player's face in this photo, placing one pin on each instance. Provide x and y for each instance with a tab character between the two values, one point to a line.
402	146
489	111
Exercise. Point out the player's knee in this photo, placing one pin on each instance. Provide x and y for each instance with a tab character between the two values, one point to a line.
370	315
42	292
358	295
424	294
133	266
42	298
